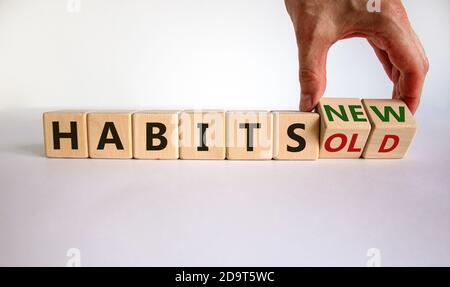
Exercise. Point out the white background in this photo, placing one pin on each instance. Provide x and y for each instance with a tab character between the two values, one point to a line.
187	54
207	54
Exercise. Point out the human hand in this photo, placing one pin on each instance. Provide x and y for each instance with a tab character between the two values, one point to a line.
319	24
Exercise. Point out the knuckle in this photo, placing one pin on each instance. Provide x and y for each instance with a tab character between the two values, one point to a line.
393	16
395	10
426	65
421	69
310	80
308	75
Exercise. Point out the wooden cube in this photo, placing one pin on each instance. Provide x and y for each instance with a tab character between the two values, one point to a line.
393	129
155	135
249	135
344	128
296	135
202	134
109	134
65	134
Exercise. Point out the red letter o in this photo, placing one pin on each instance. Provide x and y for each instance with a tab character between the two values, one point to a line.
328	146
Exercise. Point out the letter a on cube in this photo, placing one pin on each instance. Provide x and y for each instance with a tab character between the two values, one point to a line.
109	134
344	128
393	128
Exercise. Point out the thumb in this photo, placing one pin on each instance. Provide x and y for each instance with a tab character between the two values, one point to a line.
313	58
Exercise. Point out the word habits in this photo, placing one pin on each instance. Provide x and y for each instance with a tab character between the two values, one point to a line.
341	128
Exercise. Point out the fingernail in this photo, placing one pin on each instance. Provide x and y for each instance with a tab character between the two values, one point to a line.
305	102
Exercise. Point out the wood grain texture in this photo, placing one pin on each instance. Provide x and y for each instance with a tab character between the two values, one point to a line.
344	128
249	135
202	134
115	129
155	135
296	135
61	124
341	128
393	129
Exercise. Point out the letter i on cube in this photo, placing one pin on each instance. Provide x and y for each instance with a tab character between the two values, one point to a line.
202	134
348	128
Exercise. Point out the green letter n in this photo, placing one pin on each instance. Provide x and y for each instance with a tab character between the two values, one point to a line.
342	115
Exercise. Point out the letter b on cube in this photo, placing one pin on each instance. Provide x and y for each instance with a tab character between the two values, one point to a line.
155	135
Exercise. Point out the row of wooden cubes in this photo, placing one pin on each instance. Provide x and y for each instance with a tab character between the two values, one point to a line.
341	128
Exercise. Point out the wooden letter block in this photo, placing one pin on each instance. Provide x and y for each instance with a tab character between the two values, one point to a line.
202	135
296	135
110	135
65	134
344	128
155	135
249	135
393	129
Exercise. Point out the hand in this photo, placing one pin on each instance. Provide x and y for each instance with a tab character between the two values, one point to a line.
319	24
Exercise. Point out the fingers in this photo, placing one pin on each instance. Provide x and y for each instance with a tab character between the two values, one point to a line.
409	89
318	24
404	60
313	58
408	57
384	59
412	73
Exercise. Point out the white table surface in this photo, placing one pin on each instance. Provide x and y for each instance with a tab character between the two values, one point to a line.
222	213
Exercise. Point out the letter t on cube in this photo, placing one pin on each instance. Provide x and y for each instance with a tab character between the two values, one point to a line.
249	135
